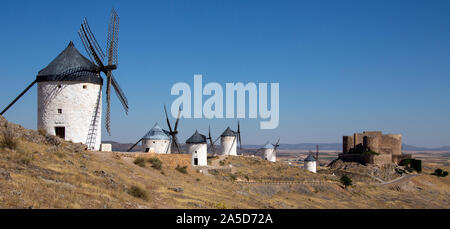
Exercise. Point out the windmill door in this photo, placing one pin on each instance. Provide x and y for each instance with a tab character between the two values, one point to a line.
60	131
195	161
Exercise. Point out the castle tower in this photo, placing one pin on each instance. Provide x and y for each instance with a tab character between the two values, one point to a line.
70	98
197	147
228	142
269	152
156	140
310	163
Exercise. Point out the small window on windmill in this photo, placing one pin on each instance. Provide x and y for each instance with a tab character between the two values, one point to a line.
84	86
59	85
59	111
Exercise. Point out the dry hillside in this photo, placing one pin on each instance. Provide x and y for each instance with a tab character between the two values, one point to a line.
42	171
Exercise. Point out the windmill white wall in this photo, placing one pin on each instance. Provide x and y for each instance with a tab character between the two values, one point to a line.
270	154
310	163
70	104
157	146
199	152
228	145
310	166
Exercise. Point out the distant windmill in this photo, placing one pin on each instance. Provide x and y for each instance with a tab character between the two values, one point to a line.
269	151
70	89
173	132
197	146
155	140
229	140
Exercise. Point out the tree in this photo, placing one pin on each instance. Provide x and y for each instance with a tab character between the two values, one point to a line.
346	181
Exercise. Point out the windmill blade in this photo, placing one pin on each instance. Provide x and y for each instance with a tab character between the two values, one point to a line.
119	93
113	38
239	135
210	140
18	97
178	119
90	47
134	145
276	145
85	45
108	105
93	40
168	146
175	142
167	119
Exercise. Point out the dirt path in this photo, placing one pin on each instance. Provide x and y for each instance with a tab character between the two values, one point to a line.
399	179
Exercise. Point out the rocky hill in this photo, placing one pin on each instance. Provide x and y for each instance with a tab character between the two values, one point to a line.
38	170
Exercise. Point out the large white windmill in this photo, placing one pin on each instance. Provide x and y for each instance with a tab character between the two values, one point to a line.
70	89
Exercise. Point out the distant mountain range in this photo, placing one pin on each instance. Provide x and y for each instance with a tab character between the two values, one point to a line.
123	147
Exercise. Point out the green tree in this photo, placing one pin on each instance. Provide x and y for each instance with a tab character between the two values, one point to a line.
346	181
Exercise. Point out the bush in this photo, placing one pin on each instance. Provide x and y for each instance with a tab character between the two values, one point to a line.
416	165
233	177
370	152
181	169
139	161
346	181
8	140
413	163
42	132
440	173
405	162
221	205
156	163
138	192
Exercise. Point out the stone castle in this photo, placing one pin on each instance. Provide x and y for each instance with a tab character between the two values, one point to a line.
373	147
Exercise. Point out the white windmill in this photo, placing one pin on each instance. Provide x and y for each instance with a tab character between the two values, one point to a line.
229	140
70	89
269	151
197	147
156	140
310	163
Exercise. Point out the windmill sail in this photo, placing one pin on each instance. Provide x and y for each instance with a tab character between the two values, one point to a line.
95	52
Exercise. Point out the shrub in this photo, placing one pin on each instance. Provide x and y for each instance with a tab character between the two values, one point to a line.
221	205
233	177
405	162
181	169
139	161
8	140
370	152
138	192
413	163
156	163
416	165
346	181
440	173
42	132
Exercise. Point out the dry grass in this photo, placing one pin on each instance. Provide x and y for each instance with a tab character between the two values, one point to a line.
44	176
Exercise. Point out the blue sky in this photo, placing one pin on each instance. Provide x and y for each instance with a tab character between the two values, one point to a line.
343	66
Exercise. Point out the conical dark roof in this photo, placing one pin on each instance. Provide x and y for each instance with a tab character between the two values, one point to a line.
70	65
196	138
228	132
310	157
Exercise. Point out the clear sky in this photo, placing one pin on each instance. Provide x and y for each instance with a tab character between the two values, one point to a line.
343	66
